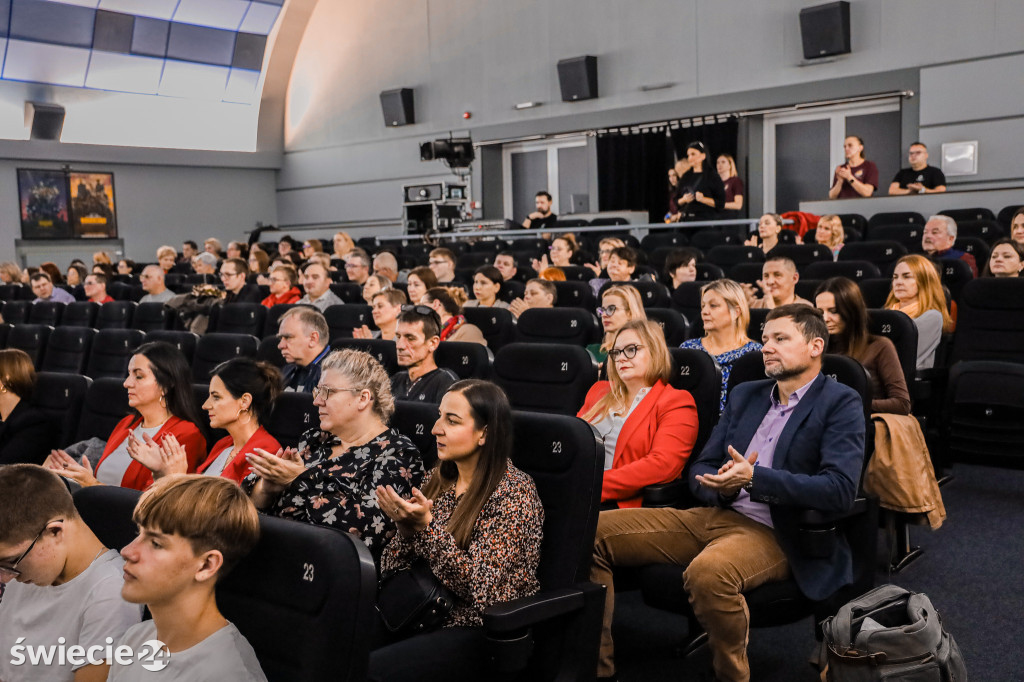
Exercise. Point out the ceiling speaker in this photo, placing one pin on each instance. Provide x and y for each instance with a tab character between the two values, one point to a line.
45	120
578	78
825	30
398	107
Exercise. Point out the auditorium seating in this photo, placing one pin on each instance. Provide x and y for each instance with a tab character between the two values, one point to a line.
294	414
986	230
708	272
467	360
15	312
111	350
115	315
653	294
153	317
727	256
895	218
856	270
62	397
968	214
238	318
558	325
884	254
496	324
907	235
855	221
268	351
215	348
45	312
416	420
802	254
31	338
574	295
342	319
186	342
675	326
545	377
68	350
272	321
383	351
106	403
1006	214
80	314
349	292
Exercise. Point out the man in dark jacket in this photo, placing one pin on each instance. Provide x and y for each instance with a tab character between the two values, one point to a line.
304	344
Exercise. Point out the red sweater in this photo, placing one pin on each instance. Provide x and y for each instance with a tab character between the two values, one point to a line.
653	445
291	296
238	468
138	476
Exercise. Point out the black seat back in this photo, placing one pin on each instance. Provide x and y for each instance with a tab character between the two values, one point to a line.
990	321
727	256
675	326
62	396
80	314
303	598
954	274
986	230
467	360
184	341
111	351
884	254
15	312
574	295
653	294
349	292
496	324
802	254
416	420
895	218
215	348
152	316
293	415
68	349
856	270
694	371
45	312
875	291
382	351
106	403
239	318
558	325
272	321
31	338
545	377
901	330
115	315
907	235
342	319
968	214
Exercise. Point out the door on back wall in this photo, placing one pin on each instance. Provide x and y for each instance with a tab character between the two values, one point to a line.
560	167
802	150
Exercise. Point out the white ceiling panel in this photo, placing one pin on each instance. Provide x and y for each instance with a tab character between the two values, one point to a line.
260	18
27	61
158	9
124	73
193	81
216	13
242	86
78	3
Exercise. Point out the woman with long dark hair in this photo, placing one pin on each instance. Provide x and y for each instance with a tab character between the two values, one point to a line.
701	191
840	301
478	522
163	407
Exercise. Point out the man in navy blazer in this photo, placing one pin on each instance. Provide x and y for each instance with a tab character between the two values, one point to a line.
783	445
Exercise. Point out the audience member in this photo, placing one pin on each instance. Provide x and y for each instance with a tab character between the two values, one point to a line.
726	553
101	257
259	261
769	227
357	266
304	336
508	266
856	178
672	215
96	288
419	334
373	285
478	523
10	273
58	582
702	194
51	269
162	408
75	276
447	302
317	283
311	246
419	281
126	266
192	531
543	216
386	265
553	274
213	246
846	316
830	233
27	434
562	251
189	250
725	316
442	262
681	266
734	190
105	269
1006	259
1017	226
44	290
778	284
233	274
938	237
604	253
917	291
649	428
487	281
619	304
539	293
152	280
283	287
205	264
385	309
621	266
238	250
330	480
285	245
920	178
342	244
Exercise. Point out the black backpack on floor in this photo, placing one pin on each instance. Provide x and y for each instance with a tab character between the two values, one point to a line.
891	634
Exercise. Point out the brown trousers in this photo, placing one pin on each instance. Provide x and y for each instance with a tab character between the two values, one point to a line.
725	554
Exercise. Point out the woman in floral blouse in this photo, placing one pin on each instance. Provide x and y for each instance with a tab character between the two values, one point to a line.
478	522
330	479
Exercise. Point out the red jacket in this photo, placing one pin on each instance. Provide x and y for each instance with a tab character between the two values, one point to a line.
238	468
138	476
653	445
291	296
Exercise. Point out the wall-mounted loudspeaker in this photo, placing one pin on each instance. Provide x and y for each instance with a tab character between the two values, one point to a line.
397	106
578	78
46	121
825	30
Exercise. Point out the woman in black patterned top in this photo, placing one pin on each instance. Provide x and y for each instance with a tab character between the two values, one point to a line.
330	480
479	524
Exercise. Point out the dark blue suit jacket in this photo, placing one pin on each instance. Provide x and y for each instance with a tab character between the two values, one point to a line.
817	465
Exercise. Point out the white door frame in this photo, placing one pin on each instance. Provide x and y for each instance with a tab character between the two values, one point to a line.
837	116
551	147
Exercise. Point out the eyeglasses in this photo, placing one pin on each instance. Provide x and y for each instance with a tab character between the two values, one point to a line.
225	275
437	261
419	309
607	311
328	391
629	352
11	572
306	245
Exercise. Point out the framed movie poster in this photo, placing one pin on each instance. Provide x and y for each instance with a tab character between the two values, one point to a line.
93	213
43	199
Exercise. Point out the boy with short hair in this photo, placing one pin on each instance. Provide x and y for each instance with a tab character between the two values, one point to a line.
58	582
192	531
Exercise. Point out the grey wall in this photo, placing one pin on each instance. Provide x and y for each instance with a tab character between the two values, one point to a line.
343	166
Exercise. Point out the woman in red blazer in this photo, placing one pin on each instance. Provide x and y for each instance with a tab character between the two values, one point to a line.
649	428
163	407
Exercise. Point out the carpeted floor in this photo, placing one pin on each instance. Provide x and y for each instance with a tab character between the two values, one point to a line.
972	568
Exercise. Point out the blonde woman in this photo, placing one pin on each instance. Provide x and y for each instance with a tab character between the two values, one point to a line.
167	257
830	233
619	304
725	314
604	252
917	291
769	227
10	273
734	190
649	428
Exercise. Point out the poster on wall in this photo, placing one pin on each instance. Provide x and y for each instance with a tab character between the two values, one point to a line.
43	198
93	214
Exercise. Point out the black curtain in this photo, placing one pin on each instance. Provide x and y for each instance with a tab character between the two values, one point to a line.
632	171
718	138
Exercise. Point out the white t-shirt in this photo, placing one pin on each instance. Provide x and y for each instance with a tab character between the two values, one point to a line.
85	611
224	655
612	424
117	463
216	467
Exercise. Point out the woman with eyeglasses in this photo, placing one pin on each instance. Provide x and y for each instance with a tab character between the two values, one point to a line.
478	523
560	254
284	287
419	281
311	246
330	479
605	248
649	428
725	314
487	281
619	305
447	302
